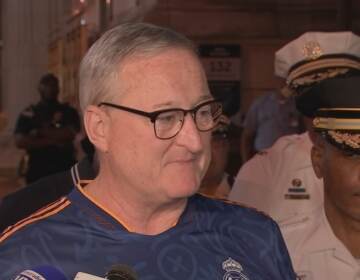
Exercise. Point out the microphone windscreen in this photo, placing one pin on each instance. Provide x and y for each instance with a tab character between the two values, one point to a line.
86	276
121	272
44	272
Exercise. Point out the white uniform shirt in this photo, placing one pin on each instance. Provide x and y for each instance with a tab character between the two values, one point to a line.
316	253
280	181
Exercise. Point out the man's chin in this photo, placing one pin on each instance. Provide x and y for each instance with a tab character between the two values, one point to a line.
183	189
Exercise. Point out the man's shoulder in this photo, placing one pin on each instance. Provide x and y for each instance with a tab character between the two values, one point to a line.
286	145
33	197
299	229
292	141
234	212
52	217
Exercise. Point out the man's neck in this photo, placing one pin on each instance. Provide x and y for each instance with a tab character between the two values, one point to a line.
345	228
134	211
210	185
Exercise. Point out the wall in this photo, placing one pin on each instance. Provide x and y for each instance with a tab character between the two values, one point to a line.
259	27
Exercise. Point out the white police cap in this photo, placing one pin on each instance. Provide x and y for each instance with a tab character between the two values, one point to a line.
316	52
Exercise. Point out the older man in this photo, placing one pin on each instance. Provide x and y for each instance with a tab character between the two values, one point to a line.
148	111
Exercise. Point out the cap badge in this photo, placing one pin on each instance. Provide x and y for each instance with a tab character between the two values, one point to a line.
312	50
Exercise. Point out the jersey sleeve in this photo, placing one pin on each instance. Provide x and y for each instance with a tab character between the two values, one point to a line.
281	255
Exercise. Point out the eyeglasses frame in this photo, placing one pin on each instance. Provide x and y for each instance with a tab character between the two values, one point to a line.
153	115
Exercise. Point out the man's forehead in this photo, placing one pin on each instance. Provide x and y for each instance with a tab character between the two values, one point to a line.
174	71
172	103
156	60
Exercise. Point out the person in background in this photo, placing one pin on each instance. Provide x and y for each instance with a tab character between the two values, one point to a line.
149	113
281	181
46	131
269	117
216	181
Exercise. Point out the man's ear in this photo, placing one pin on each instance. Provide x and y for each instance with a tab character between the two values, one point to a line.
318	156
96	123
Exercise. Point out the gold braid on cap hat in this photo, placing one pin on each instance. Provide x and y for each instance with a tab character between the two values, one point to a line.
318	77
320	68
351	140
343	132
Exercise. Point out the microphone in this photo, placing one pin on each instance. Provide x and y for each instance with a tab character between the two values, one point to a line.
117	272
44	272
121	272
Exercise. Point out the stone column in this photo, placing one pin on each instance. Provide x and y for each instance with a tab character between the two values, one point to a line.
24	60
24	55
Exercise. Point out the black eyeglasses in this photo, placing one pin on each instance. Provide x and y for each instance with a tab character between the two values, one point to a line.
168	122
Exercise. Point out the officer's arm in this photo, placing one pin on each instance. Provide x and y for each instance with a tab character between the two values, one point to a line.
26	134
29	142
65	131
58	135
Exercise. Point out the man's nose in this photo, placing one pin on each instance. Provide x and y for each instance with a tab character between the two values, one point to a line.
189	135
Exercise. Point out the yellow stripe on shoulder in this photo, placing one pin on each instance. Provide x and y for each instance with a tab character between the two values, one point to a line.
223	199
231	202
42	213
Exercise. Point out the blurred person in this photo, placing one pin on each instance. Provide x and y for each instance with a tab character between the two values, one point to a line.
149	113
216	181
46	131
269	117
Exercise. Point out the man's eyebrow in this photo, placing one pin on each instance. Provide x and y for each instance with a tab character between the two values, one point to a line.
205	97
159	105
202	98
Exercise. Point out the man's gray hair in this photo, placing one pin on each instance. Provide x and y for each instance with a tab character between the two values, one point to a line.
100	66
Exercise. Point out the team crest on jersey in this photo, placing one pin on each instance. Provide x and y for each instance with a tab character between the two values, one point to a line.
234	270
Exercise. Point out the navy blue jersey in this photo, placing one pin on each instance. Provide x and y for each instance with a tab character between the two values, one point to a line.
213	239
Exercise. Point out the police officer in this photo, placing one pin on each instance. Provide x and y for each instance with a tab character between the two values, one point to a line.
46	131
325	243
280	181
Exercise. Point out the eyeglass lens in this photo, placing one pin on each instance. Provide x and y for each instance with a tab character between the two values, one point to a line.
168	124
